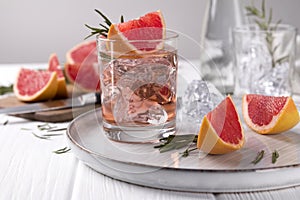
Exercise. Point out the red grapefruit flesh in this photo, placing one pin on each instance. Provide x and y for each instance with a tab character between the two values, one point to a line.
148	27
54	66
221	130
33	85
81	67
269	114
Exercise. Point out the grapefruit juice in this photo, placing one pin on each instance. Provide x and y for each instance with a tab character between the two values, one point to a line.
139	95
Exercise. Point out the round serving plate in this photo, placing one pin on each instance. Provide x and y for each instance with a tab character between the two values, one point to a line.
143	164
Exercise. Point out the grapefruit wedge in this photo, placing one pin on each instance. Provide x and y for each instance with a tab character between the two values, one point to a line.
33	85
81	67
221	130
131	35
54	66
269	114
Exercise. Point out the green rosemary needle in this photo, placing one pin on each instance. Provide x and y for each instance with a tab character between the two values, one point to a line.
258	158
6	89
275	156
62	150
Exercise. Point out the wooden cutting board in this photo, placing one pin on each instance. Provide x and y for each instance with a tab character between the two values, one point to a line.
49	116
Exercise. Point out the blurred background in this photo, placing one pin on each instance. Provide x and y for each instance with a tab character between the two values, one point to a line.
32	29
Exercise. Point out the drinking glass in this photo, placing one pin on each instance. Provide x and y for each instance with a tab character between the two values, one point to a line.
138	83
264	59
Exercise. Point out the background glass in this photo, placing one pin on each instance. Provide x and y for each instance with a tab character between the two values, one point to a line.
264	60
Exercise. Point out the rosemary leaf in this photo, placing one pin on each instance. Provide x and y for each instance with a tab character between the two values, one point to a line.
92	28
62	150
105	28
270	16
107	21
186	153
282	59
263	11
258	158
6	89
275	155
40	136
52	134
59	129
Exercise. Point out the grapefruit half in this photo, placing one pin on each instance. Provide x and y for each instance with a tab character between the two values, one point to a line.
269	114
221	130
54	66
131	35
81	67
33	85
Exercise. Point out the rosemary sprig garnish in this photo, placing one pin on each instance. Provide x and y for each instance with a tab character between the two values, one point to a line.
275	156
259	156
177	142
264	22
62	150
103	29
6	89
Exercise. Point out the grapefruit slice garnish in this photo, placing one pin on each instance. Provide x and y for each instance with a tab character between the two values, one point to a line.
269	114
54	66
221	130
81	67
33	85
138	35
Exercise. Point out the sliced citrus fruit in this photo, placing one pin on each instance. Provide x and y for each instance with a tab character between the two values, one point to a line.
221	130
131	35
34	85
81	67
269	114
54	66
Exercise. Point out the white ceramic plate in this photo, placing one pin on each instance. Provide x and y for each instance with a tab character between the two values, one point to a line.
143	165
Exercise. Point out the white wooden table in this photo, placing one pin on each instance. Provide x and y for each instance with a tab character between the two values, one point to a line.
30	170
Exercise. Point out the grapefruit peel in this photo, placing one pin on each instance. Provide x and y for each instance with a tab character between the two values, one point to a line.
287	118
53	65
209	140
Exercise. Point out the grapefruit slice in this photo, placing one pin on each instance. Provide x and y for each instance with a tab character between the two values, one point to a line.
33	85
81	67
54	66
269	114
129	34
221	130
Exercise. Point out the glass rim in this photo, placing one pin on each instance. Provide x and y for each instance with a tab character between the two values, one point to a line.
250	28
169	34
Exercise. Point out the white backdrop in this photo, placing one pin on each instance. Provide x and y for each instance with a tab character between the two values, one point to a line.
31	30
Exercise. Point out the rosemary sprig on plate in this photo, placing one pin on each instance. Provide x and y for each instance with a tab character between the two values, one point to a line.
264	22
177	142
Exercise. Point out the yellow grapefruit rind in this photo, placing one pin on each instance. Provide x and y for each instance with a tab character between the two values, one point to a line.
286	119
210	142
120	46
62	86
46	93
